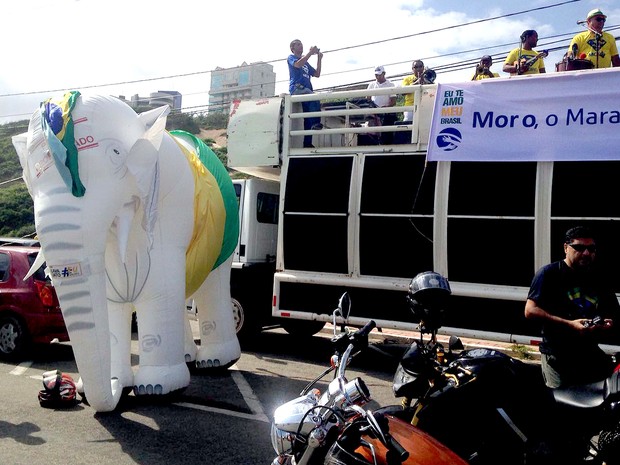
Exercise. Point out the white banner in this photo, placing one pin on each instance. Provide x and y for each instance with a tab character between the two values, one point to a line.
571	115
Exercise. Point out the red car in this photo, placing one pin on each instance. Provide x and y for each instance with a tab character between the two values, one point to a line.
29	310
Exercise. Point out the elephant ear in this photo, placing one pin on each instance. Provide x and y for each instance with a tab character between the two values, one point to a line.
143	163
20	142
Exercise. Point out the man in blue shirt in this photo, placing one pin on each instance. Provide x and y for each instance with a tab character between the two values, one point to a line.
300	72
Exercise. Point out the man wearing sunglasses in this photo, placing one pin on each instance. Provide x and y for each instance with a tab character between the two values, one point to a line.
595	45
576	307
416	78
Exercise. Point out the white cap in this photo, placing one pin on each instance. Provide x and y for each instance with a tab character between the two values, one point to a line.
379	70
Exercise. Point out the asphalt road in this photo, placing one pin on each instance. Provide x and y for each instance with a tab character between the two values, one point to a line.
221	418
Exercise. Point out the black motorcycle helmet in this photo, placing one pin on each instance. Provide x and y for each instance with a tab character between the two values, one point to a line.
428	297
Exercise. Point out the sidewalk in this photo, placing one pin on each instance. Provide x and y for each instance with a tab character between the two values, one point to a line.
394	337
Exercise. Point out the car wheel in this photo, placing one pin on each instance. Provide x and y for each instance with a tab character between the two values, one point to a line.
13	338
247	324
302	328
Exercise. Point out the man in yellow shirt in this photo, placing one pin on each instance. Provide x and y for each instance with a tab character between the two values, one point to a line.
524	59
416	78
595	45
483	69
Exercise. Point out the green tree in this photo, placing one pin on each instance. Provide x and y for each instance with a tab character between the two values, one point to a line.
16	211
183	121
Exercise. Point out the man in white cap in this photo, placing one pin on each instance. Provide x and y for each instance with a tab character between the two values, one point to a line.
387	119
595	45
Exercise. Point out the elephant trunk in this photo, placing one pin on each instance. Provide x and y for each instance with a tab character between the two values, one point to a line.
83	304
76	264
85	312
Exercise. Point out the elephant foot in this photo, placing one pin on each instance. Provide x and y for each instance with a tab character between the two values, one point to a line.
190	352
124	376
160	380
218	356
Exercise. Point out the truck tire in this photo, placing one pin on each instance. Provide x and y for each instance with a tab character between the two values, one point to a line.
302	328
246	324
14	341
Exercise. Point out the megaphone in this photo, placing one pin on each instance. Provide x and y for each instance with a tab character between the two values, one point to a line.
429	76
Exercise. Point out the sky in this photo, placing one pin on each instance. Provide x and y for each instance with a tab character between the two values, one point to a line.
127	47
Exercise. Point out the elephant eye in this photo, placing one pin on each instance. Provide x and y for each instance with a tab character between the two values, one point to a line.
116	155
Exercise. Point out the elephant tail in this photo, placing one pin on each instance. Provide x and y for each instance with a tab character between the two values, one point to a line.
217	213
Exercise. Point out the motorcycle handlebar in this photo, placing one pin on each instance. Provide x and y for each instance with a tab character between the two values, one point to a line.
365	330
397	452
359	338
395	447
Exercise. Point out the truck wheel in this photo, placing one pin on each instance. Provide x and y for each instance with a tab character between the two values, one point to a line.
238	314
246	324
302	328
13	338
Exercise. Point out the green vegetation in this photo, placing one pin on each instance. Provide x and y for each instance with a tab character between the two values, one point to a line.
16	206
521	351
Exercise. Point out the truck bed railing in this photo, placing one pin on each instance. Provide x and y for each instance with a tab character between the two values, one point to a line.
350	121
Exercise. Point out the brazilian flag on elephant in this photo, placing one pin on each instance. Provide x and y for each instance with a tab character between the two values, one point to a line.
216	213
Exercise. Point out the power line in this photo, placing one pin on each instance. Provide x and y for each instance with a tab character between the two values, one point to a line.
10	181
455	26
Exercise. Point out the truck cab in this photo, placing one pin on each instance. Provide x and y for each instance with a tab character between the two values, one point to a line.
254	258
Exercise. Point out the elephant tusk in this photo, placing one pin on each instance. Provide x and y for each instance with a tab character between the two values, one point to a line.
35	266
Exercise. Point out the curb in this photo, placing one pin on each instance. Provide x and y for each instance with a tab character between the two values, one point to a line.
391	337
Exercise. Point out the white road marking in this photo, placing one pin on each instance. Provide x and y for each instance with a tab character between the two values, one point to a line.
248	394
21	368
230	413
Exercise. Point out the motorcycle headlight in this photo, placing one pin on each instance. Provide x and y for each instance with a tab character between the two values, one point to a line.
282	441
292	417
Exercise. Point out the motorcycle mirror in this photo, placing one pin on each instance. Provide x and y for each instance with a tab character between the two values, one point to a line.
455	343
343	309
344	304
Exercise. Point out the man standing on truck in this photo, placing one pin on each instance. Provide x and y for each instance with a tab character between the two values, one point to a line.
524	59
576	307
300	72
595	45
382	101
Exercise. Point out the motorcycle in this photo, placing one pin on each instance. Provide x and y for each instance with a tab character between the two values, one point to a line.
332	428
498	407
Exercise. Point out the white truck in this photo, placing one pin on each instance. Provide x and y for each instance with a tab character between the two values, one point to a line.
362	217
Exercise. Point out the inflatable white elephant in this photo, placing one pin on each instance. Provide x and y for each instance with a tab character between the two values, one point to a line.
129	217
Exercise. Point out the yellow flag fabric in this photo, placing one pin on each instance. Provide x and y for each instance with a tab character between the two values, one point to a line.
214	223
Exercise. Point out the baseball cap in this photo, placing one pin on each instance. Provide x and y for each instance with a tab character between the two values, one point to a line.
595	12
486	58
379	70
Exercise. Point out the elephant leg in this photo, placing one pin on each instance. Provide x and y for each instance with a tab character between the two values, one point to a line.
120	342
190	345
161	325
219	346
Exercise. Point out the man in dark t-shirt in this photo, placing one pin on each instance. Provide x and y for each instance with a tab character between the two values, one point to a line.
576	308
